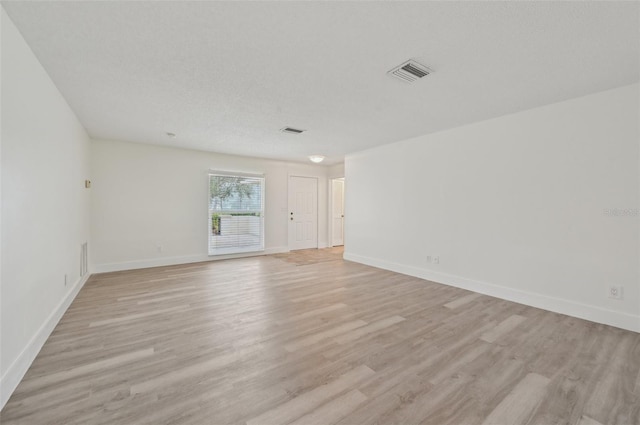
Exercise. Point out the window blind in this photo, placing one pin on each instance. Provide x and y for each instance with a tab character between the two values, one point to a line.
236	213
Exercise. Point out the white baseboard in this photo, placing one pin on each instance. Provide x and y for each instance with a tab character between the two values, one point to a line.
571	308
172	261
14	374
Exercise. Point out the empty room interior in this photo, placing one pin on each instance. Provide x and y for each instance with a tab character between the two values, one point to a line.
271	213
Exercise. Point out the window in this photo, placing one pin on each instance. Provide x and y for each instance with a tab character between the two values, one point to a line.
236	213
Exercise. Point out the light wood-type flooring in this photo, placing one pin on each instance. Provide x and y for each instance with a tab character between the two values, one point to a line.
307	338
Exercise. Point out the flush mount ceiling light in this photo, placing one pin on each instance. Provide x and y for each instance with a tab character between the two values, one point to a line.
292	130
169	134
316	158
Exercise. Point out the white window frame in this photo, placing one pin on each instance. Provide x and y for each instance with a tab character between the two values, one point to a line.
239	249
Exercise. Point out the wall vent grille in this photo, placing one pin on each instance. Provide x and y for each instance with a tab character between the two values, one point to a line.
84	259
410	71
292	130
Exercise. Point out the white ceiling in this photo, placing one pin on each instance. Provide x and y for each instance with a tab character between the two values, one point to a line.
226	76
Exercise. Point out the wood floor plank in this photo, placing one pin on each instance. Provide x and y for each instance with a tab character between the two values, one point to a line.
318	295
607	396
518	407
334	410
317	337
168	297
455	364
368	329
193	370
156	293
130	317
503	328
296	337
311	313
462	301
415	401
287	412
78	371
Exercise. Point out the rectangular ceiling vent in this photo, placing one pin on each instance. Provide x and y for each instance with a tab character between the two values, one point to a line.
410	71
291	130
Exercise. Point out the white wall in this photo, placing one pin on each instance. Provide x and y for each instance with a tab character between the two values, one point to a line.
336	171
45	208
514	206
147	196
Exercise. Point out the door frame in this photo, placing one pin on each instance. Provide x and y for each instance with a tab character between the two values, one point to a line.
330	210
289	231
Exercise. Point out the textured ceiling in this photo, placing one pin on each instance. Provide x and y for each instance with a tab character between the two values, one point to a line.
226	76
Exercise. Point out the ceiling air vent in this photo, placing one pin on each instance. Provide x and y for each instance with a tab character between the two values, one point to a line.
410	71
291	130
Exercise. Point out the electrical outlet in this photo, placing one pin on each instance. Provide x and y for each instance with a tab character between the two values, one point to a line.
615	292
65	280
436	260
428	258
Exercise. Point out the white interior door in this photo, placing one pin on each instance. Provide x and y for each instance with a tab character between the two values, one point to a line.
337	202
303	212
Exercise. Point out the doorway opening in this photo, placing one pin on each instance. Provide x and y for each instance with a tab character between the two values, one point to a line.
337	211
